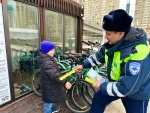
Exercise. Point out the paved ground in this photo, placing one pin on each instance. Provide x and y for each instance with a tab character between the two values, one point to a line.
33	104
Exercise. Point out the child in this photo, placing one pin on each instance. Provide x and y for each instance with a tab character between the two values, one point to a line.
53	90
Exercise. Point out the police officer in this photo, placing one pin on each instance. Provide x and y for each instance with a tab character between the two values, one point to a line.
127	58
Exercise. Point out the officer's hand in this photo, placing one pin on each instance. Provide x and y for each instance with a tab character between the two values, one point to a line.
96	84
78	68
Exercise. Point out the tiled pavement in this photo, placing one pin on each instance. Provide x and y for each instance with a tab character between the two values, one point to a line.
29	104
33	104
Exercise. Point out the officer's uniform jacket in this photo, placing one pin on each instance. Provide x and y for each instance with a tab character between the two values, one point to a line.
128	66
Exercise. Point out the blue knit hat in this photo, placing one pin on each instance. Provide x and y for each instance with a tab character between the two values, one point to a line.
117	20
46	46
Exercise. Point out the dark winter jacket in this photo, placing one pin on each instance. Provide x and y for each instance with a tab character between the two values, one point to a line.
132	85
53	90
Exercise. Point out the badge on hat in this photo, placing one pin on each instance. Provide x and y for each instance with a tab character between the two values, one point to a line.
103	22
134	68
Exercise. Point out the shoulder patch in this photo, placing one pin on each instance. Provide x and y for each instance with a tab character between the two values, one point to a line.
134	67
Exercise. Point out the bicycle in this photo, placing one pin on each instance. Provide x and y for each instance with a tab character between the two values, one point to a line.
81	90
28	59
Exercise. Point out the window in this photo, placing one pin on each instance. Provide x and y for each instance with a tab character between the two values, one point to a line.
54	28
70	33
24	40
57	28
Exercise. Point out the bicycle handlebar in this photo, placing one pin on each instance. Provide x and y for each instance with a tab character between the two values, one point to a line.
87	49
91	42
85	42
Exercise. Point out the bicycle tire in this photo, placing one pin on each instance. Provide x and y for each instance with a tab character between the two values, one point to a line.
86	93
36	83
74	107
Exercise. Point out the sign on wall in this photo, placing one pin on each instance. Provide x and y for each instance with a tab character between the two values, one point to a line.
4	78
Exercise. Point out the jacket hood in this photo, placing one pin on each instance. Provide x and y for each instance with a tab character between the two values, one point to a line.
42	57
135	36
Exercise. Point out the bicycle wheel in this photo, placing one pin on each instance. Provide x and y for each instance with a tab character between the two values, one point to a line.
36	82
86	91
78	100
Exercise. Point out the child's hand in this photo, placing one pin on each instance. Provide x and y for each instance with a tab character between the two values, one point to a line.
68	85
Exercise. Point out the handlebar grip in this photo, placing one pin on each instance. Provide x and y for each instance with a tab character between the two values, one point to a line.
85	42
97	43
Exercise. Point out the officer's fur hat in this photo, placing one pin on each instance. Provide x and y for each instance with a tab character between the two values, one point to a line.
117	20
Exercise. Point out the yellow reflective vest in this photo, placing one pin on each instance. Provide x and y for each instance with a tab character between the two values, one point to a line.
142	52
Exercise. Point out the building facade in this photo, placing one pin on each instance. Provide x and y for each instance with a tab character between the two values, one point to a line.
94	10
142	15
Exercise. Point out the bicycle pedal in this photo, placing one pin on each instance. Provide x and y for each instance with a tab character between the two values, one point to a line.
84	107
